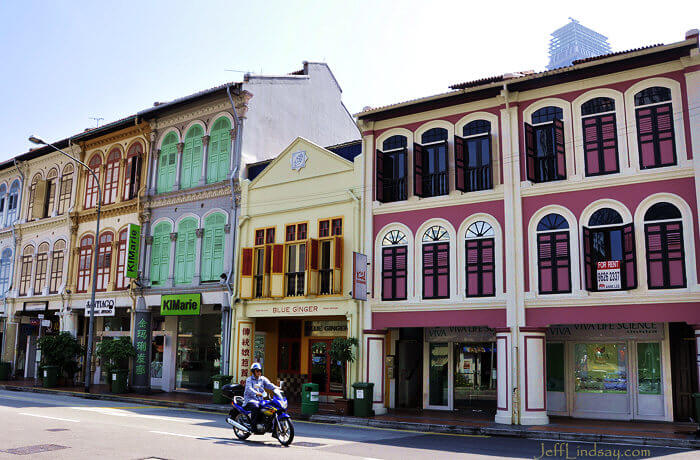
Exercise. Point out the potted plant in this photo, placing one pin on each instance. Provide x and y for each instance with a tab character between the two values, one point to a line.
342	352
115	353
59	357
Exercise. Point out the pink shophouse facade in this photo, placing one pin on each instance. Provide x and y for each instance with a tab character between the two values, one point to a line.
533	242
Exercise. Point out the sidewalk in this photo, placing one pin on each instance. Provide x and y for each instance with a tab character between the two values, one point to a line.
560	428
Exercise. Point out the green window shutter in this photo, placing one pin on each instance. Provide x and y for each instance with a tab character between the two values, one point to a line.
207	247
213	157
218	253
219	151
185	250
186	166
213	247
190	253
191	167
160	253
167	164
180	259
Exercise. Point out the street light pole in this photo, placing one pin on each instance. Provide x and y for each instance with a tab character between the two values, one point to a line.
95	254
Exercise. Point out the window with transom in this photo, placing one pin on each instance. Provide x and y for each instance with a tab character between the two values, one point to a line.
25	276
160	253
430	164
544	145
85	262
473	163
167	164
191	167
213	243
91	184
42	262
480	261
394	265
121	280
663	231
553	255
436	263
5	271
655	135
32	196
66	189
104	260
219	151
50	200
295	273
599	136
185	250
13	204
57	260
132	175
392	170
112	176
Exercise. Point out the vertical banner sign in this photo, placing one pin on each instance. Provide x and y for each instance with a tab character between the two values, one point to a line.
246	337
133	247
142	341
359	276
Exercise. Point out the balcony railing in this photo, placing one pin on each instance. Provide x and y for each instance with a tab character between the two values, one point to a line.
435	184
479	178
394	190
295	283
258	280
546	169
325	280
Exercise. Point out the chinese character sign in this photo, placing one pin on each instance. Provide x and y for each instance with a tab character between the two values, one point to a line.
142	337
244	358
359	276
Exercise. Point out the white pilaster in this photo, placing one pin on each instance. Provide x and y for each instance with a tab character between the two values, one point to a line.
531	361
504	377
374	348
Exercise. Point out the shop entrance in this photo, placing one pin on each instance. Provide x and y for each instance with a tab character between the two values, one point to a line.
684	374
198	351
324	372
475	375
409	377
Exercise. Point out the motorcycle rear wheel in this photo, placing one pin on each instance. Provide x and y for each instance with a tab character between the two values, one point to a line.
243	420
285	432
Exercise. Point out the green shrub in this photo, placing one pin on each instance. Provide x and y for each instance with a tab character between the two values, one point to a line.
62	350
114	351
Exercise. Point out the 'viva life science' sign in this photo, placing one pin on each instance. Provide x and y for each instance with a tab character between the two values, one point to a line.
180	304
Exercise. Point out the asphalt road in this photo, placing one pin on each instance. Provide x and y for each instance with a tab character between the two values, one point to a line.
75	428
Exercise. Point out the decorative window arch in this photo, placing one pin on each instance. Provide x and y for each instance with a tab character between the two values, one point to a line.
480	259
104	260
42	262
167	163
112	167
609	243
191	167
66	189
13	203
213	246
599	129
430	163
121	281
219	151
85	262
394	265
25	278
132	175
473	157
663	232
185	250
553	255
91	185
57	261
32	193
436	263
160	253
655	135
391	170
5	271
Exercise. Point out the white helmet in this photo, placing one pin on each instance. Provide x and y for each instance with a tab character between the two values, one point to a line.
255	367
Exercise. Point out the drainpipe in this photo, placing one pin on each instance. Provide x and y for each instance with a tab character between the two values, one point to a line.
357	238
226	312
14	245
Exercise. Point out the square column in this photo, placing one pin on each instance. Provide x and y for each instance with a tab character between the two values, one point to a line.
533	376
504	379
374	347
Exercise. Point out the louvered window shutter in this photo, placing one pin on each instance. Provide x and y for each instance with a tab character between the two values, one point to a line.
443	270
591	146
655	136
218	244
608	134
379	172
186	166
589	265
246	273
629	259
190	254
277	277
530	153
213	157
224	155
664	133
39	197
460	164
429	271
417	169
180	262
207	254
196	166
338	265
559	150
562	262
312	256
155	260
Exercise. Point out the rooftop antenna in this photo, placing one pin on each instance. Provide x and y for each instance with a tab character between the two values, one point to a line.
97	121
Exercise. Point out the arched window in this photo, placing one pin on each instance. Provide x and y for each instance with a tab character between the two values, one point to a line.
13	204
599	136
42	262
121	282
480	260
5	271
392	170
85	262
25	277
91	185
544	145
185	250
104	260
394	265
112	176
132	176
213	247
191	167
609	252
430	164
167	163
57	260
663	229
553	255
31	196
655	136
3	201
160	254
219	151
50	201
66	189
436	263
473	170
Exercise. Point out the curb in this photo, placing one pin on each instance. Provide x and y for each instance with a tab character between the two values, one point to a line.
498	430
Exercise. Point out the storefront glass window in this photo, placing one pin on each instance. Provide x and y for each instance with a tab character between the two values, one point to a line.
555	367
198	351
475	375
649	368
438	384
600	367
118	323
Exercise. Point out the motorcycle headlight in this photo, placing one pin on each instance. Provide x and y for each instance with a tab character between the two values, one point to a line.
283	403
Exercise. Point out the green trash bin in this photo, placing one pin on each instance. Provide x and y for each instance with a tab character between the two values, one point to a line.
696	398
5	370
118	380
363	399
309	398
49	375
218	383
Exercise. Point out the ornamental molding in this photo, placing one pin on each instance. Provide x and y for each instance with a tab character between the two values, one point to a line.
141	130
111	210
205	192
186	116
43	224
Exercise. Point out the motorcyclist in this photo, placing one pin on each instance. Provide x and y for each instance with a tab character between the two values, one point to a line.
255	386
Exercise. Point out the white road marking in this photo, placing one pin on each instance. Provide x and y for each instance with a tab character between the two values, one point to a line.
176	434
52	418
117	412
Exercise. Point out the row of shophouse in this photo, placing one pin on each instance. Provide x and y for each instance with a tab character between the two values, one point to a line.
531	239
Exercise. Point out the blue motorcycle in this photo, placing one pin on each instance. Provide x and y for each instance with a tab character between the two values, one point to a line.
273	417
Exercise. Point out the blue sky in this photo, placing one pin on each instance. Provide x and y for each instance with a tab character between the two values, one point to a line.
67	61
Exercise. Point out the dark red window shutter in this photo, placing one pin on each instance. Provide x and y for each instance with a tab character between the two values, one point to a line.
589	265
665	255
655	136
608	134
394	273
277	258
312	255
480	267
460	172
665	138
591	146
600	145
559	150
417	169
629	260
247	262
544	263
530	153
379	170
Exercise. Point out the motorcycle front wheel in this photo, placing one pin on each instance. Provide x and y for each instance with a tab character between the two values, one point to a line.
240	434
285	431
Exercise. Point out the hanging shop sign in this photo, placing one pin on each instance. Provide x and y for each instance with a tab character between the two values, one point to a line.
653	331
359	276
180	304
103	307
133	248
460	334
608	275
326	328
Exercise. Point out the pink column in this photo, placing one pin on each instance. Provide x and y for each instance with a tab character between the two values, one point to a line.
374	352
533	376
504	380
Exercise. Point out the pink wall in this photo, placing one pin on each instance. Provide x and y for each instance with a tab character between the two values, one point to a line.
492	318
673	312
630	195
